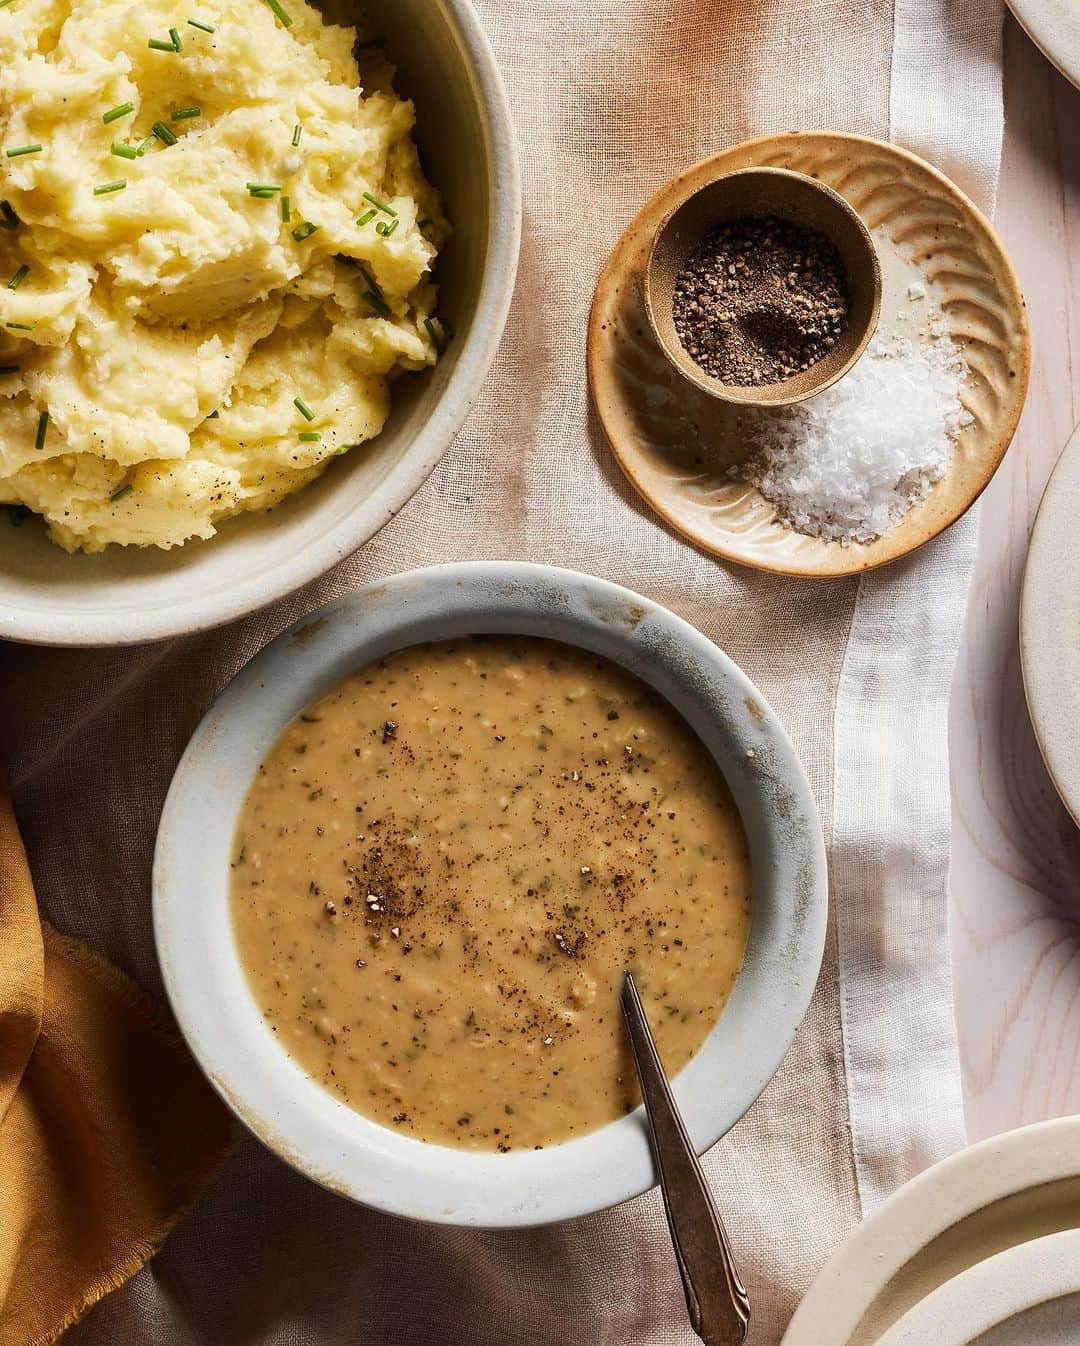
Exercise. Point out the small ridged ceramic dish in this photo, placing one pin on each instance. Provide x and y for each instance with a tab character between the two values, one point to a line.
677	445
1050	627
310	1127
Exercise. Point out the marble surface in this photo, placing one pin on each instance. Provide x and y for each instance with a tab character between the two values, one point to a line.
1015	878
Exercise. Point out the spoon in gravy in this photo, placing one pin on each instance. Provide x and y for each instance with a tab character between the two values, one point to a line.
715	1298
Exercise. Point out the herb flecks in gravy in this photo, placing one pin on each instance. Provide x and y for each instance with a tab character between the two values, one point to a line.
446	864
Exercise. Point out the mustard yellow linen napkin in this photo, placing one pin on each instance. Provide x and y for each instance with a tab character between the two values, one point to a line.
107	1130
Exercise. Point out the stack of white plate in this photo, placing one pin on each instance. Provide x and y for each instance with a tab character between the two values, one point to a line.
981	1250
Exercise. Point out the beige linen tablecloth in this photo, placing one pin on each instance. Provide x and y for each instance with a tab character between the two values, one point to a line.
611	98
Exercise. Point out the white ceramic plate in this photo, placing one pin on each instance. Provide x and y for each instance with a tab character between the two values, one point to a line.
466	138
1054	27
1050	626
312	1128
993	1196
1026	1296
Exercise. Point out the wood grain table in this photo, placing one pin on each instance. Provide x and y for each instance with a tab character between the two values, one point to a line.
1015	877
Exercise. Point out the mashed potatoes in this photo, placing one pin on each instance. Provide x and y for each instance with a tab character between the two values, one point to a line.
210	271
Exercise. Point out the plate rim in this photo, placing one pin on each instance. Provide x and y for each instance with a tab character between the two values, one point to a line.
1002	1287
1030	18
936	1200
1052	700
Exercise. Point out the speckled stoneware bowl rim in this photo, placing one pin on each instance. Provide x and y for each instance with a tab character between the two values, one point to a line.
314	1131
973	1308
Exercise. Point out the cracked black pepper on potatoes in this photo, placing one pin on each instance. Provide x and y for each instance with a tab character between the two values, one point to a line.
760	300
446	863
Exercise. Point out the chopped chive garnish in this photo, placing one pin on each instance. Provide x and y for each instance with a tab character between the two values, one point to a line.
163	133
114	114
185	112
21	150
379	205
214	415
4	3
423	224
377	302
433	333
125	151
175	35
18	278
10	369
386	227
20	326
367	217
107	188
344	449
303	231
42	431
124	490
159	44
150	140
286	210
17	514
261	188
264	193
373	284
303	408
310	436
10	220
281	12
203	27
298	131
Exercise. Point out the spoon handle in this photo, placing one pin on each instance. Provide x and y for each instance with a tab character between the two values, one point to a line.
717	1302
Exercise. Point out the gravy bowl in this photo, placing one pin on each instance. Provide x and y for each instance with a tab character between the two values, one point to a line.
311	1128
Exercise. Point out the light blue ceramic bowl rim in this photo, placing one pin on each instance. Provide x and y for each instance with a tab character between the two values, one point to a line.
294	1115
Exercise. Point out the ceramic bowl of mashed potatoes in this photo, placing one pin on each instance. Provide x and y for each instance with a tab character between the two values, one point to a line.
255	261
409	854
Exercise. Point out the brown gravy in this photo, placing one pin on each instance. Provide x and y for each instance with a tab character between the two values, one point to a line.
446	864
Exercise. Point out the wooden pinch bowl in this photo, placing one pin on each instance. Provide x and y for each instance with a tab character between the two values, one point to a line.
800	200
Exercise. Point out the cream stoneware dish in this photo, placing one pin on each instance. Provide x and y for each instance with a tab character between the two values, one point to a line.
1050	628
311	1128
1054	27
996	1195
466	139
1025	1296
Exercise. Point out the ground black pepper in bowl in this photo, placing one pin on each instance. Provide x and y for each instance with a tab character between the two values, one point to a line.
760	299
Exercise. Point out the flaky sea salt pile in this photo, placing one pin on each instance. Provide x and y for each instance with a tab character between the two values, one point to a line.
849	463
